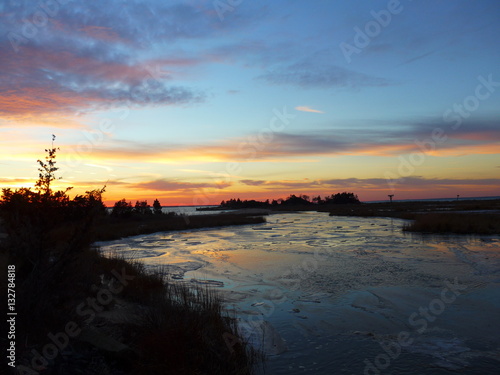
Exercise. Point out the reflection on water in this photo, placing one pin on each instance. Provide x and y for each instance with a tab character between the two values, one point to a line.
333	289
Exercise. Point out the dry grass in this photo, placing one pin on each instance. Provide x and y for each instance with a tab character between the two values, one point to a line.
184	329
461	217
459	223
409	210
171	327
110	228
180	329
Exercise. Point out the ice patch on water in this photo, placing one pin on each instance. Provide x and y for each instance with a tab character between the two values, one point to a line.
448	352
262	335
215	283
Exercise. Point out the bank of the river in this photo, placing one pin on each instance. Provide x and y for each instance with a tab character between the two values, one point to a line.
457	216
466	216
80	312
110	228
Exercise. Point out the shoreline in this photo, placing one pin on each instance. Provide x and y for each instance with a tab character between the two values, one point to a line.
291	281
109	228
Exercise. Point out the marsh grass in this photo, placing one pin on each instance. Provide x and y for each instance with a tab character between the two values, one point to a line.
185	328
411	209
458	223
167	327
178	328
110	228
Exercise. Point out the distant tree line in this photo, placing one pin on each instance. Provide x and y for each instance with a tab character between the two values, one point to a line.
293	200
125	209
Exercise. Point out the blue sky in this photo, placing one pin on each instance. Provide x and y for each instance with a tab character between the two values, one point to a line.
198	100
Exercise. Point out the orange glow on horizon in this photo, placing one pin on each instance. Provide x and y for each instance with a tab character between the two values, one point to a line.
213	196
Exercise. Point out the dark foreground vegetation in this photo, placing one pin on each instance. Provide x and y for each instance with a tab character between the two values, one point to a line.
459	223
110	228
454	216
79	312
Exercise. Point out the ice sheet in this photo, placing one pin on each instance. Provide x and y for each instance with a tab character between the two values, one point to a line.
333	288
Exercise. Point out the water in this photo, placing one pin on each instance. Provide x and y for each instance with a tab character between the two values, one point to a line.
185	210
191	210
332	295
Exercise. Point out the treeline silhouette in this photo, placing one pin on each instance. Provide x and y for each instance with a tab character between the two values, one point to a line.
293	200
125	209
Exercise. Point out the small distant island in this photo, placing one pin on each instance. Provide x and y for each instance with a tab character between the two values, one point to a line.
294	202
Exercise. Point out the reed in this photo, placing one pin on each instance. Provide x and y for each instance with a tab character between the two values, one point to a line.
458	223
110	228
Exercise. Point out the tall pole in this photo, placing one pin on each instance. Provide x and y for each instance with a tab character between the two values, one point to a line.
390	197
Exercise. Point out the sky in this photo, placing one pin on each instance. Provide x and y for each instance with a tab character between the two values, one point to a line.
193	102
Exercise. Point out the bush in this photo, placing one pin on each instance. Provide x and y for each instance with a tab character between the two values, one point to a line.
122	209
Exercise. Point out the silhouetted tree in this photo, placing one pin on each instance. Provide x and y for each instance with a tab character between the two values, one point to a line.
342	198
47	170
157	207
142	208
293	200
122	208
318	200
47	232
90	202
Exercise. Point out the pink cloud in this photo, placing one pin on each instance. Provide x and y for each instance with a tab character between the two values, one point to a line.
308	109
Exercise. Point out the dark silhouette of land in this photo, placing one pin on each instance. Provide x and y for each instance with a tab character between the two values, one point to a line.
79	312
459	217
473	216
293	202
111	228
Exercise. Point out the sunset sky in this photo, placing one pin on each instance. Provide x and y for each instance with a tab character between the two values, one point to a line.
196	101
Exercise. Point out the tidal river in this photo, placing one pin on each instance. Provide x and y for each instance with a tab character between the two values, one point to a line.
345	295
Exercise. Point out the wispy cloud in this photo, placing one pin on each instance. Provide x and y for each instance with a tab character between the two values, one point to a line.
313	75
368	184
174	185
416	58
307	109
44	84
75	64
474	137
253	182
